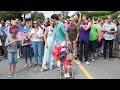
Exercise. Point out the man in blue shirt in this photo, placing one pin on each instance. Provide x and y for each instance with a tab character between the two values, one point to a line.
4	36
61	36
60	32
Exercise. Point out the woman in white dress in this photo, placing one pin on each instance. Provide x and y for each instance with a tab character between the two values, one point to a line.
48	58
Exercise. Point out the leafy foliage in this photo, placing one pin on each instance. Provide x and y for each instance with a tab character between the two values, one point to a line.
36	16
8	15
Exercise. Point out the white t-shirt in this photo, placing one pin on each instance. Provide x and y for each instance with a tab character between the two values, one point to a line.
106	35
38	33
0	25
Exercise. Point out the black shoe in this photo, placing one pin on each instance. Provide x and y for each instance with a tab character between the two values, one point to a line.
101	53
110	59
2	56
104	58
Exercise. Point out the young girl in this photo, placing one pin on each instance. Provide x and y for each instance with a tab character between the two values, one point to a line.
66	63
27	49
11	43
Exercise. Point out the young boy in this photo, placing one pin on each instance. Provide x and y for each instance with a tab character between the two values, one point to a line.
11	43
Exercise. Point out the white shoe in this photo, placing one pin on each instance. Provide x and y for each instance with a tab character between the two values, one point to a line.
15	74
93	60
87	62
79	62
65	75
68	75
18	57
58	69
42	70
10	75
25	65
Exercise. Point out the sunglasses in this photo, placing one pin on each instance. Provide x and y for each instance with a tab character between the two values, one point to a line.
35	23
108	18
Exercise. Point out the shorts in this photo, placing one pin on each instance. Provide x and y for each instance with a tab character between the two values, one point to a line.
12	57
18	45
92	46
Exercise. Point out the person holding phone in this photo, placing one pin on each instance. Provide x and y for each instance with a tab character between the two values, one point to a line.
11	44
109	29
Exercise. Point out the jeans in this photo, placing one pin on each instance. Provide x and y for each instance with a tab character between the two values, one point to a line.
27	52
37	48
83	46
12	57
105	45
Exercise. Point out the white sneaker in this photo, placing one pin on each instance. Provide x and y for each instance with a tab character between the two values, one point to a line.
25	65
15	74
58	69
18	57
87	62
93	60
65	75
10	75
42	70
79	62
68	75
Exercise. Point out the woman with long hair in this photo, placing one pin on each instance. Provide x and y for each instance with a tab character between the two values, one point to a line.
36	36
48	59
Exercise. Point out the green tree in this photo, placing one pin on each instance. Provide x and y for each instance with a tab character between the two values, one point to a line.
10	15
36	16
7	15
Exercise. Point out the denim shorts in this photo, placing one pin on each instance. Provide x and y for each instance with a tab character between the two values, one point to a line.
12	57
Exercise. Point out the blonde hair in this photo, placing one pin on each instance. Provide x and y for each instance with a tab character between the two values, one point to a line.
99	20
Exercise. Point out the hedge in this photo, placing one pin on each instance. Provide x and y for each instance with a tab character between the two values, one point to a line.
97	13
114	16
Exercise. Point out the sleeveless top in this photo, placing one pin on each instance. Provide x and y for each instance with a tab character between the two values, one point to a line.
26	41
50	32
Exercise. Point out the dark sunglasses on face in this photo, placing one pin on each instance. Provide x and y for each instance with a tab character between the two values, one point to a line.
35	23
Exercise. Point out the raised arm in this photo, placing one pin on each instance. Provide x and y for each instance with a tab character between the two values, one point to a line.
86	27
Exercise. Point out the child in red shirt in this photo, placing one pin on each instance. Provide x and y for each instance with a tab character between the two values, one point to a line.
66	64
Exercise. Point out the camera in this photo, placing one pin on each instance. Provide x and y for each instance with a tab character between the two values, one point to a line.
112	29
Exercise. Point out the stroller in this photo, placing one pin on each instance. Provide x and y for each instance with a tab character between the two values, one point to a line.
63	54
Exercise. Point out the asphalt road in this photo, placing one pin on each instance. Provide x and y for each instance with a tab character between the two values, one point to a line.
100	69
